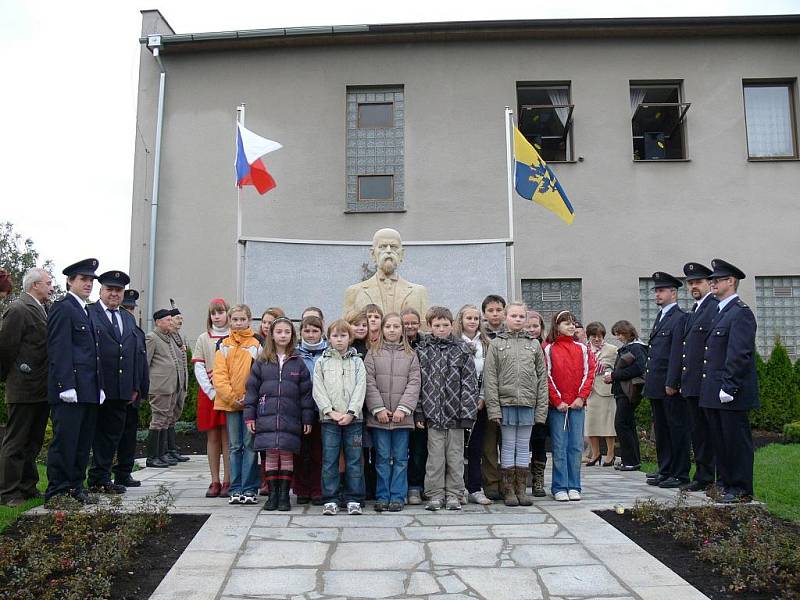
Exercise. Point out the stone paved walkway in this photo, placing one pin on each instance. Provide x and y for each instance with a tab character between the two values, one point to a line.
554	551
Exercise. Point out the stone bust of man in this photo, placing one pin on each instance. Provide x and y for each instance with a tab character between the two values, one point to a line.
386	288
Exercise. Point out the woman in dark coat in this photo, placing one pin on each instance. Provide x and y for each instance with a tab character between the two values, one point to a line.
279	408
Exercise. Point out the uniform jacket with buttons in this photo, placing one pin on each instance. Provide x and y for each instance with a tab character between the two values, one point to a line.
663	366
118	354
164	362
73	352
23	351
730	359
698	324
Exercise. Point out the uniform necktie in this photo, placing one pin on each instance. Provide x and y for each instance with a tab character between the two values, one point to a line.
694	308
658	318
114	323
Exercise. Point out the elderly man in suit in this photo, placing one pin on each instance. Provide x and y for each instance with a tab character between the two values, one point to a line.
75	384
730	384
662	381
23	363
121	382
386	288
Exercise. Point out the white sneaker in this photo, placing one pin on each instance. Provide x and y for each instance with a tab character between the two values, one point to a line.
561	496
330	508
479	498
574	495
235	499
353	508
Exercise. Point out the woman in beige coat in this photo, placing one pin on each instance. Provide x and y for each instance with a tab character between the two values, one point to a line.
601	407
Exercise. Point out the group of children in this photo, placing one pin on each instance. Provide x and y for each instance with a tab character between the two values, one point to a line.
371	407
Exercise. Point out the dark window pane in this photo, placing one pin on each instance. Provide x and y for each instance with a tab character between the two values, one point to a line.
657	130
376	115
544	119
377	187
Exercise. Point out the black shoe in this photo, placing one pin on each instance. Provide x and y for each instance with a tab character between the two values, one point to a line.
172	446
653	475
107	488
178	456
395	506
272	501
156	463
154	450
731	498
379	506
166	458
283	495
694	486
127	481
84	498
591	463
670	483
655	480
622	467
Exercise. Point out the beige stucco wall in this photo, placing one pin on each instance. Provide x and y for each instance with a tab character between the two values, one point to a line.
631	218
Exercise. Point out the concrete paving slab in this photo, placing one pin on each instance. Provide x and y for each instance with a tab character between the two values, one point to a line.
259	582
386	555
502	584
585	581
258	553
457	553
364	584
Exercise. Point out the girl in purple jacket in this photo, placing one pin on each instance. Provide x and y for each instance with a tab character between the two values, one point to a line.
279	408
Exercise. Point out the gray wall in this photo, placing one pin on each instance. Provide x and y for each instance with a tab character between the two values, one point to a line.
294	276
631	218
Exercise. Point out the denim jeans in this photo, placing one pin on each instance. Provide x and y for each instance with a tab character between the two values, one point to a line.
244	460
567	448
391	449
334	439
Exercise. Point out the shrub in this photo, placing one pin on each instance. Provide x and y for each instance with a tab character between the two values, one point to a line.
644	416
791	433
780	395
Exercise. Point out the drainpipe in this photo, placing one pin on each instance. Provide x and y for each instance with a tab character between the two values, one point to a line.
154	43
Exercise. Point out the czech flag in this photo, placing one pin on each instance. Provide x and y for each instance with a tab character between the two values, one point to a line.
534	180
249	168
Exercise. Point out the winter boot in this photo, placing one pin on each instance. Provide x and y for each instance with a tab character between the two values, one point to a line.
263	489
507	483
272	501
520	485
282	494
538	478
172	446
153	451
163	450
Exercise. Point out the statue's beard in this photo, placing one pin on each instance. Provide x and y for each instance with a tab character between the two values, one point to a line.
388	265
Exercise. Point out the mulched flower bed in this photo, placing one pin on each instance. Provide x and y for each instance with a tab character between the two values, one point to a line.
683	558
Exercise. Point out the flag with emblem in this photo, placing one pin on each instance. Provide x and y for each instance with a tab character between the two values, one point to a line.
534	180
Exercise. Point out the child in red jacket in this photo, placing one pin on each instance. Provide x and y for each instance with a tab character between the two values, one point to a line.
570	373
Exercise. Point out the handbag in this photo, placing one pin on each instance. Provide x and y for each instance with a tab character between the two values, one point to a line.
633	387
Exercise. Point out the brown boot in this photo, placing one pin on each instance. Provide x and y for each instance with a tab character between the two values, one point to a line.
520	485
509	495
538	478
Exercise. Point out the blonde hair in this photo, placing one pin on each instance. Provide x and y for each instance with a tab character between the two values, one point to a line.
340	326
519	303
458	325
240	308
378	347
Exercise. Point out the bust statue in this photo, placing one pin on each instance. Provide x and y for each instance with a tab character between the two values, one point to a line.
386	288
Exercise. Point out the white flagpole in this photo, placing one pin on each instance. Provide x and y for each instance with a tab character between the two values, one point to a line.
512	276
239	245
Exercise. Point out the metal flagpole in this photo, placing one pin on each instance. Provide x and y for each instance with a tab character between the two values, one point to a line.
512	277
239	246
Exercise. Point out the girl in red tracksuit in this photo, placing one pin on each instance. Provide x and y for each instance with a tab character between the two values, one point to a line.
570	373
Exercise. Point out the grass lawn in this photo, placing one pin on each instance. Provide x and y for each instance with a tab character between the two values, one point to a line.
9	515
774	479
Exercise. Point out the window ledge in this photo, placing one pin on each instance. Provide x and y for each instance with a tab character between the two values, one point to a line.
776	159
562	162
350	211
662	160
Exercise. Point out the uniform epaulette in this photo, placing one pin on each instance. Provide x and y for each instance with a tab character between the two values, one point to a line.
741	303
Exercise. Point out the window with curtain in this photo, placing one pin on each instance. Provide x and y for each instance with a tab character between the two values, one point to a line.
544	117
657	120
769	116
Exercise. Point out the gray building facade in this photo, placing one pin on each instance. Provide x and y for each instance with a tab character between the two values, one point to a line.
675	139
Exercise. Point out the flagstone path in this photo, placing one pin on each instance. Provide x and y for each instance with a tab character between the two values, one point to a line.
554	551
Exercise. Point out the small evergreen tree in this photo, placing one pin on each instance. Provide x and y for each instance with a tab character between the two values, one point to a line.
780	396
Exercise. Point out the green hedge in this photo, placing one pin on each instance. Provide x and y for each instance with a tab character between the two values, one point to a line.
791	432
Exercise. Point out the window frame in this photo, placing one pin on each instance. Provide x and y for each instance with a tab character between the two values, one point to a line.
389	198
790	84
681	106
569	151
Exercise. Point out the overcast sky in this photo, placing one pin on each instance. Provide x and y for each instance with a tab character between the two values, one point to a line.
68	101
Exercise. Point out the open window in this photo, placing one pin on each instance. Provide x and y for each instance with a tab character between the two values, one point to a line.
657	121
545	119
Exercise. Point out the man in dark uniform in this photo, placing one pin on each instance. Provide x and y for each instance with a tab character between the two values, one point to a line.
23	366
126	449
697	327
75	383
661	383
118	345
730	384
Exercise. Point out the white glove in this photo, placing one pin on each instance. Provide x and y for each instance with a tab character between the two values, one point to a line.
102	396
723	397
70	395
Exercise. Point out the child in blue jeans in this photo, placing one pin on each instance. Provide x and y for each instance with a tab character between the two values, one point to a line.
340	383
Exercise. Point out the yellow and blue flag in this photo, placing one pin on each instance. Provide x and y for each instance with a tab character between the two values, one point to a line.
534	180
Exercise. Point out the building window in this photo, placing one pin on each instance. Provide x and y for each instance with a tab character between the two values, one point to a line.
778	314
545	118
549	296
770	119
648	309
657	121
375	149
